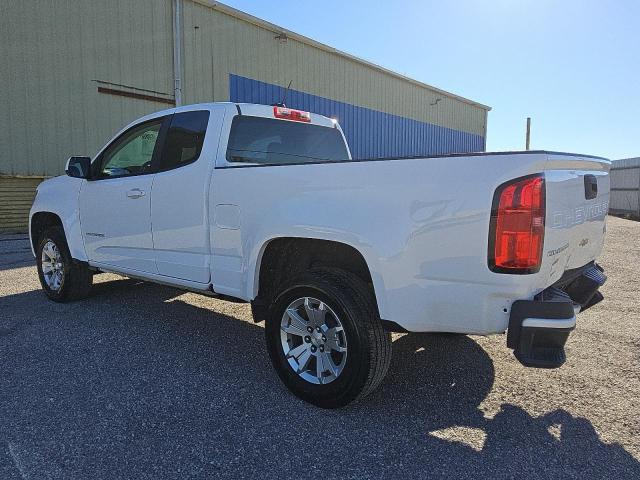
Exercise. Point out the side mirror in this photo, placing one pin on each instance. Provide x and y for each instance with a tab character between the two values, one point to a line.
78	167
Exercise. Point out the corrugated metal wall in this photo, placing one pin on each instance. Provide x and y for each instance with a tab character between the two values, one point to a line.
16	197
217	44
369	133
54	56
625	187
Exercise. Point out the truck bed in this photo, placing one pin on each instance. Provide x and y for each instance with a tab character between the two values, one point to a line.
422	225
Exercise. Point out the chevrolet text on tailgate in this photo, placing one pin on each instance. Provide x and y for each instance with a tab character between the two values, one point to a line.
264	204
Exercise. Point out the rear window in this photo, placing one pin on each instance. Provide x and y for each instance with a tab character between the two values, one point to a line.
277	142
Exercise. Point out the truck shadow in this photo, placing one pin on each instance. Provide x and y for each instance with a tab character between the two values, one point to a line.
139	382
454	375
15	252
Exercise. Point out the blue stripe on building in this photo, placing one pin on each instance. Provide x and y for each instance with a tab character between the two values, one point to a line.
370	133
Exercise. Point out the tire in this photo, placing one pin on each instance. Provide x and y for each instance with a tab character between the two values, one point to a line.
348	304
74	279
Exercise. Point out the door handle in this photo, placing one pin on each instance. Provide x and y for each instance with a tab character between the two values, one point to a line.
135	193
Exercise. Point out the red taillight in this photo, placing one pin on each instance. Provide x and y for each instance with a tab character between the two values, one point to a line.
516	234
291	114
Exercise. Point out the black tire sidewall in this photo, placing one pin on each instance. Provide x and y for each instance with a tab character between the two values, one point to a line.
355	373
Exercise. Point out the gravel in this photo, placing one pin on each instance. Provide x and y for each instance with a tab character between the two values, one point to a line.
144	381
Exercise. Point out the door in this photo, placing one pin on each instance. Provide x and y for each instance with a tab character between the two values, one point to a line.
115	205
179	199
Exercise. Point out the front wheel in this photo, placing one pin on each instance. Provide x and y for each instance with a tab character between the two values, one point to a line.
62	278
325	338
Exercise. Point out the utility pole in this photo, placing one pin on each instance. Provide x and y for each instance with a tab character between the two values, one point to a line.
528	141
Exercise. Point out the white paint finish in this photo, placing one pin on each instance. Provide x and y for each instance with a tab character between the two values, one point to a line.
420	224
59	196
575	226
227	217
254	110
116	228
180	211
549	322
229	270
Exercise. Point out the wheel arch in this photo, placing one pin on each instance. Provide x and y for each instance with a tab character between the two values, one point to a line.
283	257
39	222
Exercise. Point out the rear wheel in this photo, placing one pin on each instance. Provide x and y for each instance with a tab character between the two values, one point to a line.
62	278
325	339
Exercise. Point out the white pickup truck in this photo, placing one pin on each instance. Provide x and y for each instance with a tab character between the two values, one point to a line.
264	204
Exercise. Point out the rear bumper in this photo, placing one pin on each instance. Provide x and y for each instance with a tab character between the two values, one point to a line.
539	328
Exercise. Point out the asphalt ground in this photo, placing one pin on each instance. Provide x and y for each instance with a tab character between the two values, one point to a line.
143	381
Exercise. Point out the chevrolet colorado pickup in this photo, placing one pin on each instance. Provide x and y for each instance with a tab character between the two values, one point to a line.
264	204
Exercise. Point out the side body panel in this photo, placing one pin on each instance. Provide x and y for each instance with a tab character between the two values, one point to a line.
421	225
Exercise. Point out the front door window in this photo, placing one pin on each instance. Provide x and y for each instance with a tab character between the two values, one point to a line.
132	153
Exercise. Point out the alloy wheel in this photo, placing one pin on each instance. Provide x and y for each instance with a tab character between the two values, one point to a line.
313	340
52	266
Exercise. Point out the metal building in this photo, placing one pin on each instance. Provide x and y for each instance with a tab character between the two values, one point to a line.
73	73
625	187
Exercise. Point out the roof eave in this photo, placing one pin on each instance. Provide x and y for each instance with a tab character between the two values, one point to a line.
226	9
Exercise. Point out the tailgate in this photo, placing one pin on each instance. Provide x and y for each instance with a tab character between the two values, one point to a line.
577	202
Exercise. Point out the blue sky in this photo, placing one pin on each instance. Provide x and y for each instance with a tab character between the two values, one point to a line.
572	66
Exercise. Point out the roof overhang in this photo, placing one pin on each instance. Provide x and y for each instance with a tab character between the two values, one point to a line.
221	7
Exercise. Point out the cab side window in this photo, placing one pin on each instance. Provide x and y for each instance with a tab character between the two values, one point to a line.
132	153
184	139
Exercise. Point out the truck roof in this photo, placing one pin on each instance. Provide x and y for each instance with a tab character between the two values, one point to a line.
252	109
